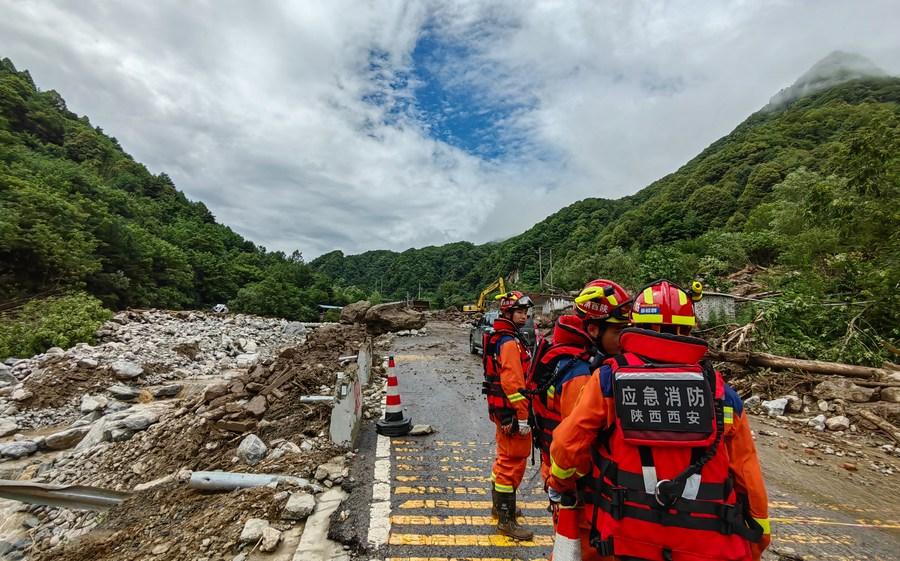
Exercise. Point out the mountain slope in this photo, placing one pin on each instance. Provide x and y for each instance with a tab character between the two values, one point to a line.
77	212
810	189
718	189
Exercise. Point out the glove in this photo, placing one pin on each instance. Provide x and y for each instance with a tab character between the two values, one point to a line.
561	500
510	428
555	496
524	427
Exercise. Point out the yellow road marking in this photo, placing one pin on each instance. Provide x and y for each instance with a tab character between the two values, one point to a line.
815	521
467	540
781	504
475	505
418	468
399	520
815	539
461	468
429	490
445	479
444	459
412	358
432	490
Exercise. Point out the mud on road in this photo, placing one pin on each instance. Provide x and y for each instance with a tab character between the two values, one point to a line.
439	485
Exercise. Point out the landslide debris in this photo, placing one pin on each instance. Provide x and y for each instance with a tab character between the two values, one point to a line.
162	395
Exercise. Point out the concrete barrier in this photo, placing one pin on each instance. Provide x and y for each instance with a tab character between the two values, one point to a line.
347	410
364	362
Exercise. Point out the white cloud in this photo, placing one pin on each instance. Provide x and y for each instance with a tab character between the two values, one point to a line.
258	110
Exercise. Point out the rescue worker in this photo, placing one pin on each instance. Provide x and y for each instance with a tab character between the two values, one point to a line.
506	359
590	334
600	314
675	471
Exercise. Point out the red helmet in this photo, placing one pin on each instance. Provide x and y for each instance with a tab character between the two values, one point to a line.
665	303
512	300
603	300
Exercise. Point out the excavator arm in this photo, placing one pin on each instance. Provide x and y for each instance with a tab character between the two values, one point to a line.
479	306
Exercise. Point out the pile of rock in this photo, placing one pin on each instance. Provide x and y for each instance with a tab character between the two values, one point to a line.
117	426
187	343
392	317
121	432
831	405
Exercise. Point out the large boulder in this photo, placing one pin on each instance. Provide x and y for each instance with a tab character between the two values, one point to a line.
123	392
252	450
838	423
65	439
8	426
355	312
19	449
891	395
6	377
91	403
843	389
386	318
126	370
299	506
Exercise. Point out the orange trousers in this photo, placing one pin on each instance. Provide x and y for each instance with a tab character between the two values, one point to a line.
588	553
512	457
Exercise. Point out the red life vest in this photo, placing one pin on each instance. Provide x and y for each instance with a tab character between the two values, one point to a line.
569	340
499	407
662	484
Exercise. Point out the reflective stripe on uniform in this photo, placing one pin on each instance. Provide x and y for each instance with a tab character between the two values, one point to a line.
729	415
499	487
561	473
514	397
766	525
551	391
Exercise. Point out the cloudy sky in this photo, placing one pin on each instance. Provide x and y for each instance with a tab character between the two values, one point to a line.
360	125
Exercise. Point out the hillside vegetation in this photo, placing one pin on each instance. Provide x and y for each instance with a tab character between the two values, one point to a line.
810	190
79	214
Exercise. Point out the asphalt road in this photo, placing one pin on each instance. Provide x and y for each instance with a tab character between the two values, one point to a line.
440	491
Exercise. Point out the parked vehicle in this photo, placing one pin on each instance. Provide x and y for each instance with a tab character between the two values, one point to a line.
486	325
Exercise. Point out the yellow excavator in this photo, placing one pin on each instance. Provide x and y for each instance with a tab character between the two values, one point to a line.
479	306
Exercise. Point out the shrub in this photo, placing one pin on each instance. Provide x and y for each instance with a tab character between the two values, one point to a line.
51	322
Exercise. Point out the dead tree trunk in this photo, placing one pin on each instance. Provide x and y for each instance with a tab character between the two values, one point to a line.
783	362
887	427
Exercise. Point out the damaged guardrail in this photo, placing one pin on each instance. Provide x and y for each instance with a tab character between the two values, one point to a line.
77	497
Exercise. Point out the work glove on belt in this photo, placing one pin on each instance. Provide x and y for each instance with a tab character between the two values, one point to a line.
516	426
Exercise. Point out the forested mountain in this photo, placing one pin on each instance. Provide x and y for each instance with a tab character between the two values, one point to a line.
809	188
78	213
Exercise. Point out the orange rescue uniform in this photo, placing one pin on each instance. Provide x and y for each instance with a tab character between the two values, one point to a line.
574	438
513	449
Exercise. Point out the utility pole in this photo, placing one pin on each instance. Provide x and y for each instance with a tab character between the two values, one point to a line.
551	269
541	269
419	295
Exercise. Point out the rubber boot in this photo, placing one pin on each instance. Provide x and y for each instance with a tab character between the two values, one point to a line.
495	512
507	524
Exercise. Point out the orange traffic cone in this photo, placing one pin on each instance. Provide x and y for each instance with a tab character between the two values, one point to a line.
566	542
394	422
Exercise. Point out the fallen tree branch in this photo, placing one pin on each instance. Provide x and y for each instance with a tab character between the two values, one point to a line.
870	384
885	426
783	362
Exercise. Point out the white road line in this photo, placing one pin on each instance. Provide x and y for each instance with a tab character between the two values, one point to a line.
380	511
